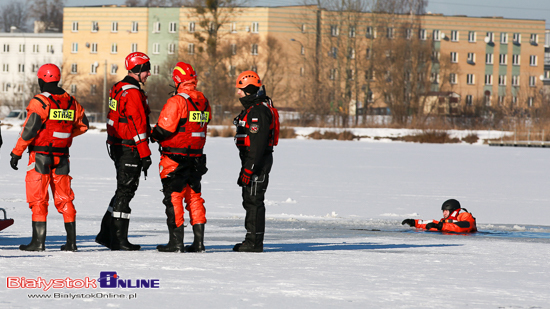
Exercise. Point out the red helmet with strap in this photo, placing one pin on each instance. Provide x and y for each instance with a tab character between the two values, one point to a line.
247	78
183	72
135	59
49	72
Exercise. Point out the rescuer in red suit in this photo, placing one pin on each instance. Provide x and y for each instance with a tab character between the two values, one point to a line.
181	133
453	220
53	119
257	132
128	131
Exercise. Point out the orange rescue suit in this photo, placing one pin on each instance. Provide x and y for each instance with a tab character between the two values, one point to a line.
462	222
52	122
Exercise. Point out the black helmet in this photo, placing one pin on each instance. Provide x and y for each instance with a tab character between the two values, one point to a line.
450	205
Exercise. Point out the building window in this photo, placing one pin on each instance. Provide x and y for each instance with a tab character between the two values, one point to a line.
191	49
470	79
534	40
114	68
369	75
114	48
6	48
233	49
74	68
134	47
93	90
368	53
93	48
49	49
191	27
515	59
254	50
533	60
408	33
93	68
472	36
73	89
75	26
532	81
351	53
437	35
515	80
135	25
454	57
35	48
233	27
156	27
156	70
471	58
371	33
304	28
35	68
74	48
423	34
501	99
454	36
504	38
5	68
390	33
352	31
334	30
303	50
517	38
114	26
95	26
491	37
171	48
488	58
156	48
436	56
503	59
302	71
173	27
434	78
21	48
502	80
333	74
255	27
530	101
232	70
21	68
488	79
351	74
452	79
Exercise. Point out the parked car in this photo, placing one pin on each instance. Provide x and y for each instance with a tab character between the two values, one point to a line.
16	116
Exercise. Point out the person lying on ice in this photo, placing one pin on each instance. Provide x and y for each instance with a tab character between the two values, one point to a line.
453	220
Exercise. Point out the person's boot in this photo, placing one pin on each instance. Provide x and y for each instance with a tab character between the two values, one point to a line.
198	242
104	236
119	235
251	244
70	228
38	242
175	242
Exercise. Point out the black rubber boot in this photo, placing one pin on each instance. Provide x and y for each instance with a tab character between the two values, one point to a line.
198	242
251	244
175	242
104	236
70	227
119	235
38	242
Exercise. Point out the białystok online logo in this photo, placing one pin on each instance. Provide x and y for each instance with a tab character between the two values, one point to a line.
107	280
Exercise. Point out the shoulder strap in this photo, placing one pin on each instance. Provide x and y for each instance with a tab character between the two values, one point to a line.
188	98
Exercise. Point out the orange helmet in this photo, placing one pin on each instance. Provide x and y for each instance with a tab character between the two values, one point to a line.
247	78
135	59
49	72
183	72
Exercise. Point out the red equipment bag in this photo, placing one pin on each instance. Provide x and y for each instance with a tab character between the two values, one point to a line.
4	223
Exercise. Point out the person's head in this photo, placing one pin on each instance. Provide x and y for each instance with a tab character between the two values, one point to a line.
48	73
183	72
248	83
449	206
138	66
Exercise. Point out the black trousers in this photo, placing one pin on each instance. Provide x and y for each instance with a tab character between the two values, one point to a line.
128	170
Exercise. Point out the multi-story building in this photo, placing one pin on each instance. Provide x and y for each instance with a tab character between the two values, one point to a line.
21	54
494	60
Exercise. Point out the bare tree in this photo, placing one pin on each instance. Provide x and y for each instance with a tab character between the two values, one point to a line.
132	3
13	14
50	12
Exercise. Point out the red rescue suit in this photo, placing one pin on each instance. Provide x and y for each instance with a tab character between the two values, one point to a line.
52	122
181	133
457	222
128	118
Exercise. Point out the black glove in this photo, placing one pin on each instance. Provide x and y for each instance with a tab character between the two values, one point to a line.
433	225
146	163
14	160
410	222
244	177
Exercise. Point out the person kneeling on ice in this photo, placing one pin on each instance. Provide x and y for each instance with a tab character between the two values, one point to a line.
453	220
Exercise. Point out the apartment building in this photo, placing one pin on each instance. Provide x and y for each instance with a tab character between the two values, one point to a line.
497	60
21	54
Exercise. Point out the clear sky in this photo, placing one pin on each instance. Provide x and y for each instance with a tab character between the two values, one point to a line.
526	9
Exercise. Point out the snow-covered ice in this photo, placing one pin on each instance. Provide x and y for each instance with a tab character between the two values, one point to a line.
333	231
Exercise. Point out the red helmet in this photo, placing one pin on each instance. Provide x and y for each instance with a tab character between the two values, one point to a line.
248	78
183	72
135	59
49	72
